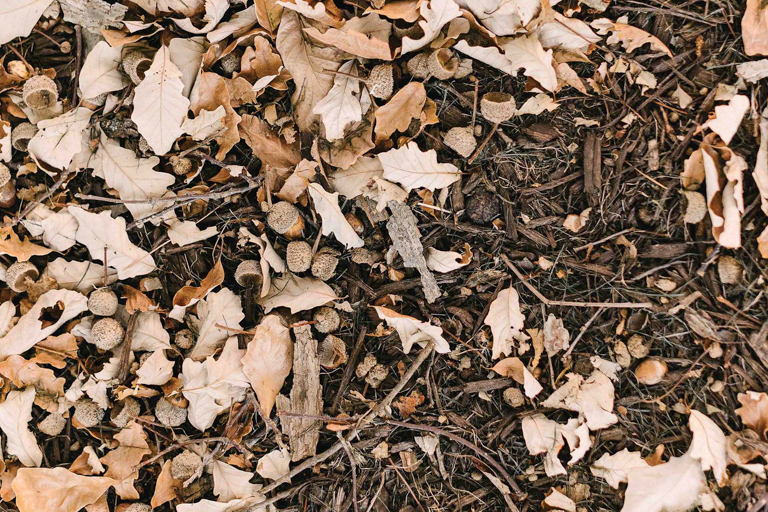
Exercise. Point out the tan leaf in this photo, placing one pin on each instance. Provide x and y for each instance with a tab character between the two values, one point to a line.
543	435
406	10
567	34
214	12
57	489
100	72
670	487
268	360
514	368
559	502
593	398
206	124
414	168
448	261
165	487
630	37
615	468
60	138
269	146
187	54
327	206
19	17
341	106
189	295
412	330
503	17
122	461
30	330
15	414
762	243
79	275
708	445
505	320
297	293
324	11
346	152
436	14
25	373
136	300
397	113
308	64
364	36
218	308
296	184
237	25
754	412
274	465
22	250
58	229
754	28
230	483
156	370
186	232
209	93
87	463
185	7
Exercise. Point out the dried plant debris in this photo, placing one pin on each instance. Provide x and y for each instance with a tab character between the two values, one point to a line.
368	255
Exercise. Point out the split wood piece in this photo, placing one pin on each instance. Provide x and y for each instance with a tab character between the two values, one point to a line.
404	231
593	168
578	304
306	400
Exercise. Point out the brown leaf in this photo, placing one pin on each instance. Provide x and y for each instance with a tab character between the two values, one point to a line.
6	479
296	184
122	461
366	37
137	301
407	404
165	487
268	360
55	349
58	489
209	93
266	144
754	412
754	28
406	10
25	373
268	14
259	61
22	250
189	295
396	115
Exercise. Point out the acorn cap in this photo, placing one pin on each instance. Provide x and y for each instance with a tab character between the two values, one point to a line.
102	302
324	266
88	413
5	175
332	352
184	339
327	320
381	81
729	269
185	464
417	66
180	165
514	397
135	64
52	425
695	206
497	107
651	371
285	219
298	256
22	134
248	274
107	333
442	64
465	68
168	414
137	507
17	274
128	412
40	92
461	140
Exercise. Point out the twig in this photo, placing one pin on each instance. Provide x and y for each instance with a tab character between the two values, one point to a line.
578	304
680	381
483	144
122	371
581	333
350	368
407	485
76	81
31	206
354	469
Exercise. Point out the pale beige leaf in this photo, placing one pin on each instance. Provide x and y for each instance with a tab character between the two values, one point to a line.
214	12
308	64
58	229
82	276
237	25
754	411
535	105
412	330
327	206
630	37
206	123
341	106
15	414
448	261
297	293
728	117
503	17
274	465
615	468
187	54
576	434
58	489
268	360
353	181
436	14
414	168
30	330
397	113
760	173
218	308
159	106
708	445
364	36
505	320
670	487
156	369
186	232
60	138
100	231
514	368
100	72
213	386
185	7
753	71
7	312
19	17
754	28
323	11
382	191
543	435
592	398
559	501
230	483
566	34
134	178
526	52
556	336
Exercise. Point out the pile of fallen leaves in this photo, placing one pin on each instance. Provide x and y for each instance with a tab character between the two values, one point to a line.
229	281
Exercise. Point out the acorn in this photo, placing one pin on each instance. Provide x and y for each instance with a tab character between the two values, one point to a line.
135	64
180	165
324	265
22	134
107	333
17	274
327	320
381	81
40	92
332	352
249	276
7	187
442	64
651	372
286	220
102	302
461	140
298	256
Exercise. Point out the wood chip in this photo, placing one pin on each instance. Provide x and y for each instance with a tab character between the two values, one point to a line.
593	168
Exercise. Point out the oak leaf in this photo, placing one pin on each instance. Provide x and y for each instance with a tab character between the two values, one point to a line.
268	360
341	106
754	28
412	330
268	145
59	489
505	320
274	465
81	276
543	435
754	412
214	12
448	261
297	293
630	37
22	250
414	168
188	296
122	461
165	487
670	487
230	483
15	414
185	7
615	468
592	398
514	368
218	308
60	138
708	445
436	14
397	113
327	206
19	17
100	72
363	36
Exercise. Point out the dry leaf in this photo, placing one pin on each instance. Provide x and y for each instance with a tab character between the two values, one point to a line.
100	72
341	106
436	14
25	373
57	489
364	36
297	293
79	275
559	502
214	385
100	231
397	113
753	28
414	168
592	398
159	106
185	7
186	232
165	487
708	445
11	244
190	295
615	468
353	181
754	412
19	17
156	370
762	243
265	143
15	414
237	25
543	435
296	184
505	320
670	487
327	206
514	368
60	138
413	331
556	336
274	465
58	229
567	34
728	117
448	261
630	37
209	93
218	308
214	12
268	360
122	461
230	483
324	11
206	124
